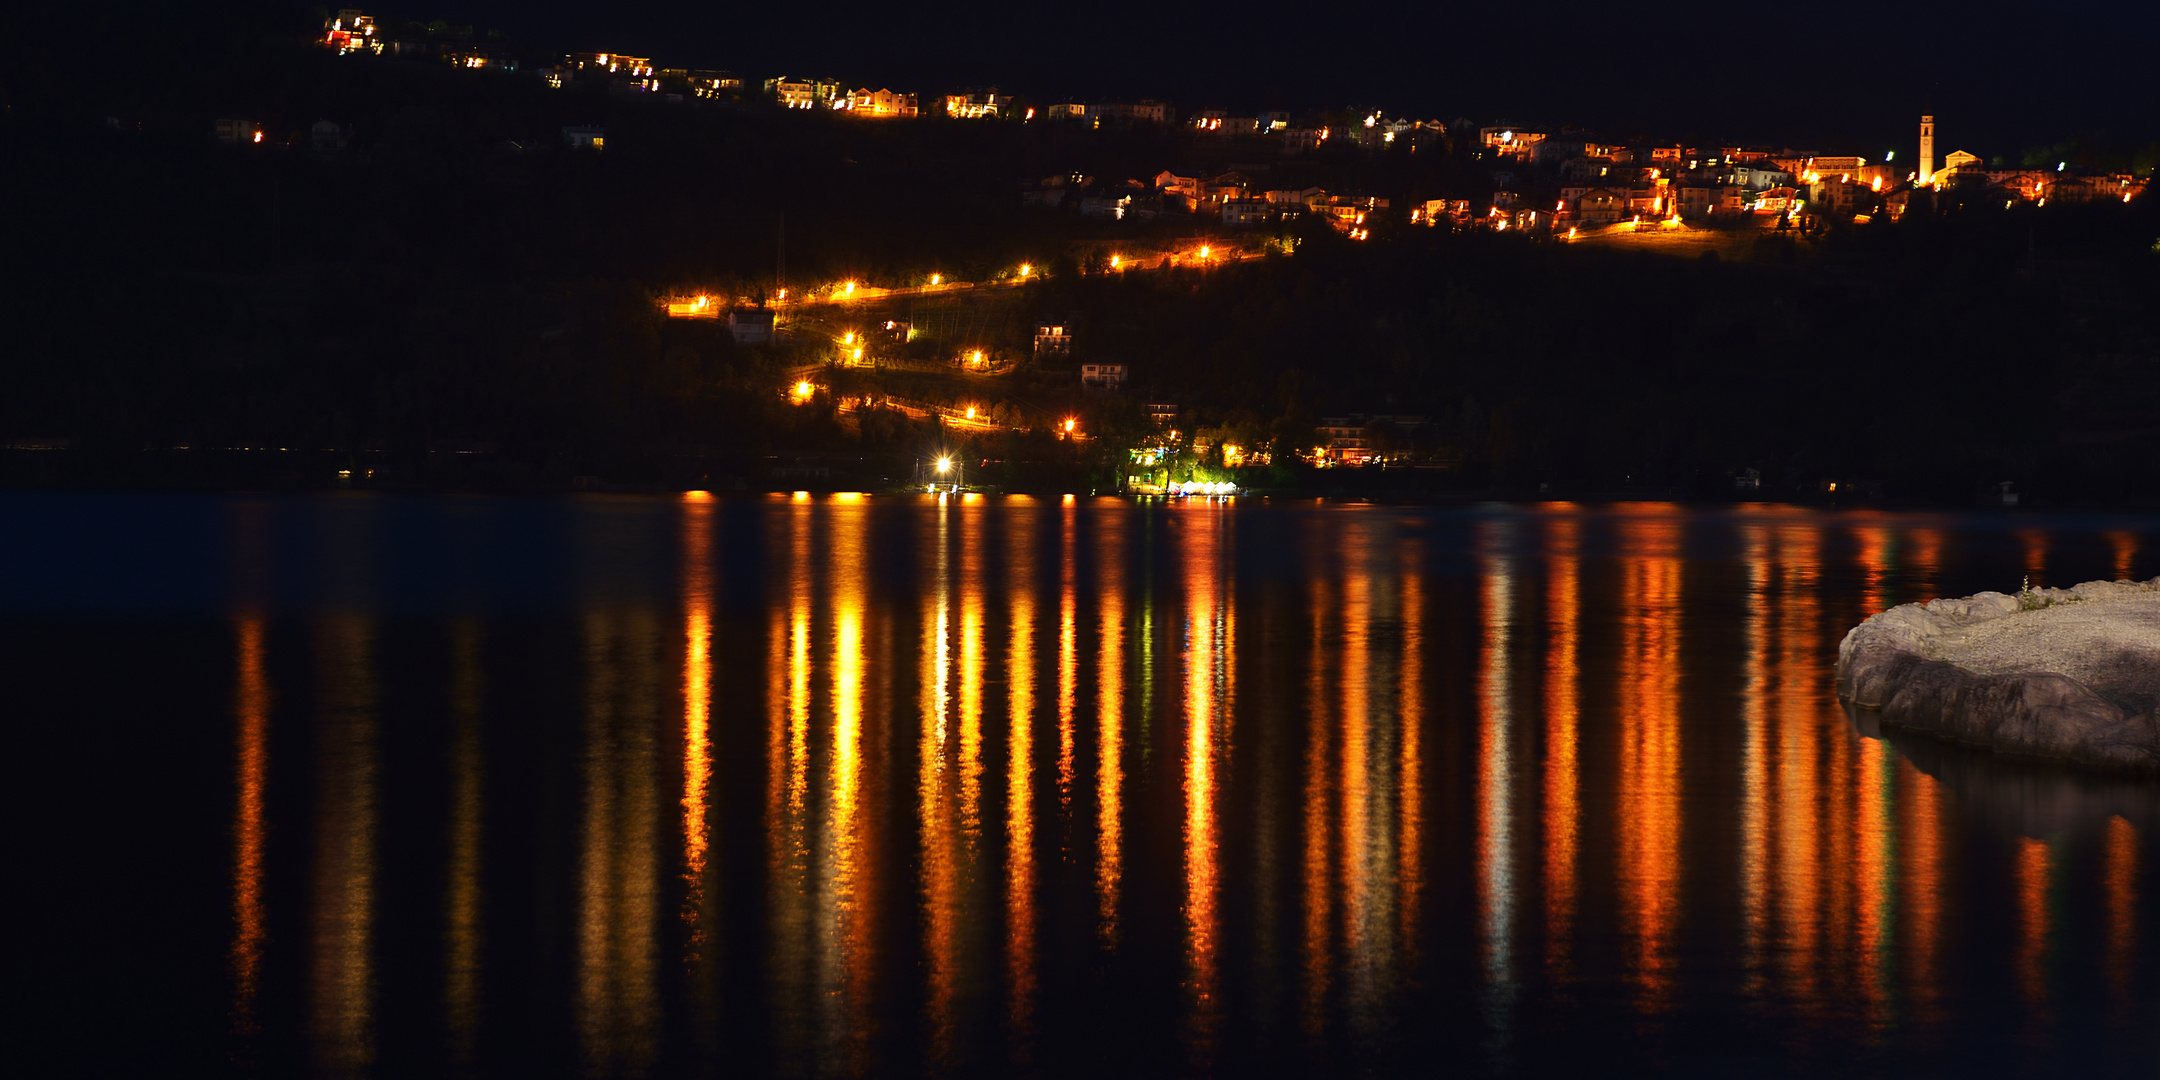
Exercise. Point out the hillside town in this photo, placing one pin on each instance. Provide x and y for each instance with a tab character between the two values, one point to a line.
1239	169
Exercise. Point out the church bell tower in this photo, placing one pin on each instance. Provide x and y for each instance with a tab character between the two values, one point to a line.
1927	150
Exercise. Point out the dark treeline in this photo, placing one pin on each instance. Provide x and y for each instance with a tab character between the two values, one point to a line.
428	288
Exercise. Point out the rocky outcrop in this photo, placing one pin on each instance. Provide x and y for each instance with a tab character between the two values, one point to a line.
2069	675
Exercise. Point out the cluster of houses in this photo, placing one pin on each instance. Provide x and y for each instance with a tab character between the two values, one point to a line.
1557	179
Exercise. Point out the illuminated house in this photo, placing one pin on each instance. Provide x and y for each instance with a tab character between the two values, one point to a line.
585	138
1228	187
1511	142
1431	212
1342	441
1242	213
1105	207
751	326
1297	140
1753	175
1774	200
982	104
611	63
1052	339
1358	439
877	105
1068	110
352	32
1297	199
802	93
709	83
696	307
477	59
1601	206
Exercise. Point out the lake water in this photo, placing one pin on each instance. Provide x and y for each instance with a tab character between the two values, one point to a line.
357	785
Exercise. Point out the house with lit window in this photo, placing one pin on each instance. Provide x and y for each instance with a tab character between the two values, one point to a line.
1107	207
1601	206
877	105
584	138
1341	440
1245	213
980	104
352	32
1511	142
802	93
1052	338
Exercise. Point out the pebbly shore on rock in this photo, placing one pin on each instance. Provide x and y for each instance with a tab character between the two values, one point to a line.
2069	675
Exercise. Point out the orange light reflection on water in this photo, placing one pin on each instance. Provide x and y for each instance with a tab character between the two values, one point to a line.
942	872
2124	545
463	916
1208	644
1068	654
1020	778
1755	794
1110	732
787	750
251	699
2121	884
1650	779
1364	874
1496	776
1797	809
846	908
1318	881
2033	859
1410	768
618	894
1563	599
697	704
1875	870
1922	897
341	970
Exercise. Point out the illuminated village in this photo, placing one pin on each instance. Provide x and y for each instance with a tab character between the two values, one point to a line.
842	312
1243	184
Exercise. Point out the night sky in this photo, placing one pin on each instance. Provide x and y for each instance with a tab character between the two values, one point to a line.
1849	76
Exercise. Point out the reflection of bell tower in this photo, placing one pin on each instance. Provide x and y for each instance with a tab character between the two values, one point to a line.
1927	150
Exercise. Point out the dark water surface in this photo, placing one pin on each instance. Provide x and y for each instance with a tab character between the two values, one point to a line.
618	786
